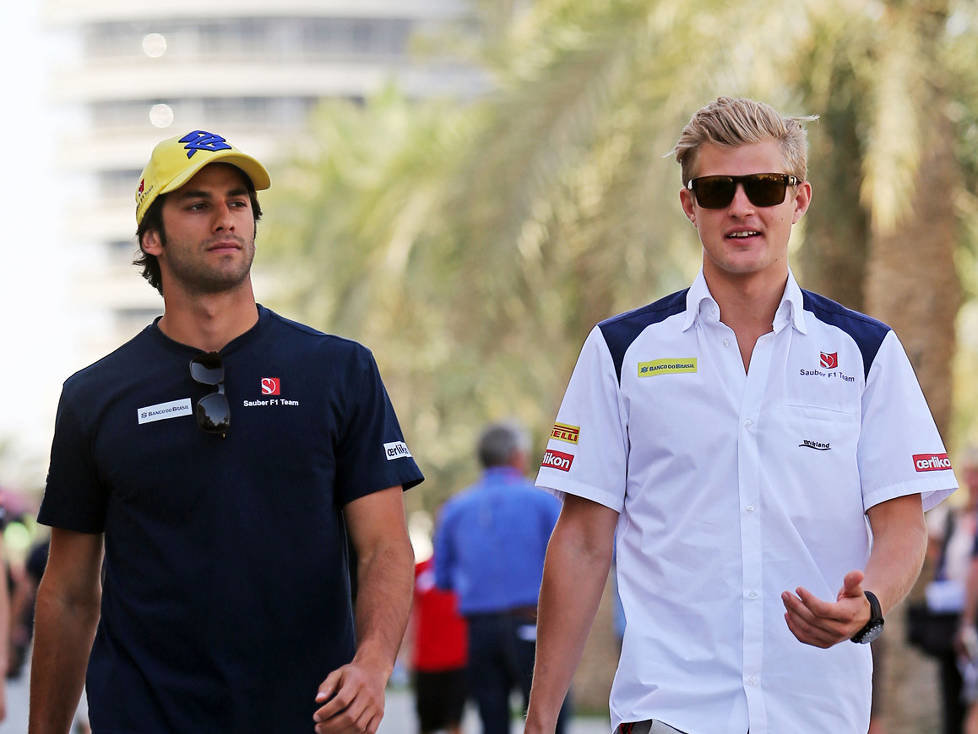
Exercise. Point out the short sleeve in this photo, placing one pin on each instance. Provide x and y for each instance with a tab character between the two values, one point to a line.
900	450
371	453
587	452
74	498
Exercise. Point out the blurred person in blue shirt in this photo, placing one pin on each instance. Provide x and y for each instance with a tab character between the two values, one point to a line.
489	548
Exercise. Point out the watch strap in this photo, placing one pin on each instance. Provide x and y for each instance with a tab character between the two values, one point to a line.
874	627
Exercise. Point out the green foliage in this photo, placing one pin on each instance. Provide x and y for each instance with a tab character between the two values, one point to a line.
473	244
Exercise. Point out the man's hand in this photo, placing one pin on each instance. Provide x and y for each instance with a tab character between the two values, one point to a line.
353	698
822	623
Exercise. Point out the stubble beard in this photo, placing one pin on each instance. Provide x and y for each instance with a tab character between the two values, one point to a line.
197	277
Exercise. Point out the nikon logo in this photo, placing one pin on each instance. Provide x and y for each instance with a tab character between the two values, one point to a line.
558	460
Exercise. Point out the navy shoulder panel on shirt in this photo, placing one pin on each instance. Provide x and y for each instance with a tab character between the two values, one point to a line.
620	331
867	332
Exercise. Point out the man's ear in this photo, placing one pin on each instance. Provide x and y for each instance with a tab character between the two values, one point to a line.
151	243
803	199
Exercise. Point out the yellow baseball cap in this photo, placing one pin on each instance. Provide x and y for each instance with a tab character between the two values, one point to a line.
177	159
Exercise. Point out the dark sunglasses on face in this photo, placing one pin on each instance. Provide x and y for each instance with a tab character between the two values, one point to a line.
212	411
762	189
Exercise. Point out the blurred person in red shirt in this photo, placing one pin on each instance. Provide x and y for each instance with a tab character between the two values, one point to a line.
439	655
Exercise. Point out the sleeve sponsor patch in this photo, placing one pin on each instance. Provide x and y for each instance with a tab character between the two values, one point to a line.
565	432
557	460
396	450
931	462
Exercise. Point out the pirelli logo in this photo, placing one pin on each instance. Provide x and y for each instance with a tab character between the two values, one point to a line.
671	366
566	433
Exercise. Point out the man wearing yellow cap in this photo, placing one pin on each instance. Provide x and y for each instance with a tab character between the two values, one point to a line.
208	481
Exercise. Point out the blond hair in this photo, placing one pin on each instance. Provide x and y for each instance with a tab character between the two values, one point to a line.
733	122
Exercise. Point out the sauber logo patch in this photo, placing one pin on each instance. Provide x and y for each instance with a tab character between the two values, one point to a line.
271	395
828	361
670	366
558	460
931	462
396	450
565	432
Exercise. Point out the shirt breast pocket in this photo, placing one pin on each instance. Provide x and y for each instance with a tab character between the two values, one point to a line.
824	439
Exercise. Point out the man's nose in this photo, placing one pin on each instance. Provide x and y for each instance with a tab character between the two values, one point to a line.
740	204
222	217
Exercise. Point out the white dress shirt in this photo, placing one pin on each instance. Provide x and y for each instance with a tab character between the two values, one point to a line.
735	486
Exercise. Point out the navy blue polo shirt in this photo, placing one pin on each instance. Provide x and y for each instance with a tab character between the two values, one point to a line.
226	592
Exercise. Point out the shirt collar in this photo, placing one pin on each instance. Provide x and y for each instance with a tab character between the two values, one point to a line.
791	310
700	304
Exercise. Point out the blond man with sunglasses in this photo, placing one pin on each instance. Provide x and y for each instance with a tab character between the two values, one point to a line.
765	455
208	481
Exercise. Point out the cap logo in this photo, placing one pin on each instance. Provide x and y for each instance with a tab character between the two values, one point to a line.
203	140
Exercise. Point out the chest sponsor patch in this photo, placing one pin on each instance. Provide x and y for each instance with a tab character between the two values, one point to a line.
162	411
817	445
828	361
557	460
270	386
566	433
670	366
396	450
931	462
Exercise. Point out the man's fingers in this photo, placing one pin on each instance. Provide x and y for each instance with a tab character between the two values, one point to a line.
814	621
831	612
852	585
332	695
807	633
328	687
818	607
359	717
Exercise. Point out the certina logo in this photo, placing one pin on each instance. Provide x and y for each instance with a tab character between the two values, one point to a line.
566	433
931	462
817	445
828	361
558	460
396	450
670	366
270	386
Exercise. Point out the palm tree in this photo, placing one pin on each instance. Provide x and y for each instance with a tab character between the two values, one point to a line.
475	244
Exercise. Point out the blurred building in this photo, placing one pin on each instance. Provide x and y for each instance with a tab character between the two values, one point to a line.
137	72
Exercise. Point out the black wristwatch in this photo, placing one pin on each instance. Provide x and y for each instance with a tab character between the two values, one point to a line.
874	627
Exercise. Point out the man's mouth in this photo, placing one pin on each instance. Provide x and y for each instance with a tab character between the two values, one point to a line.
225	245
744	234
